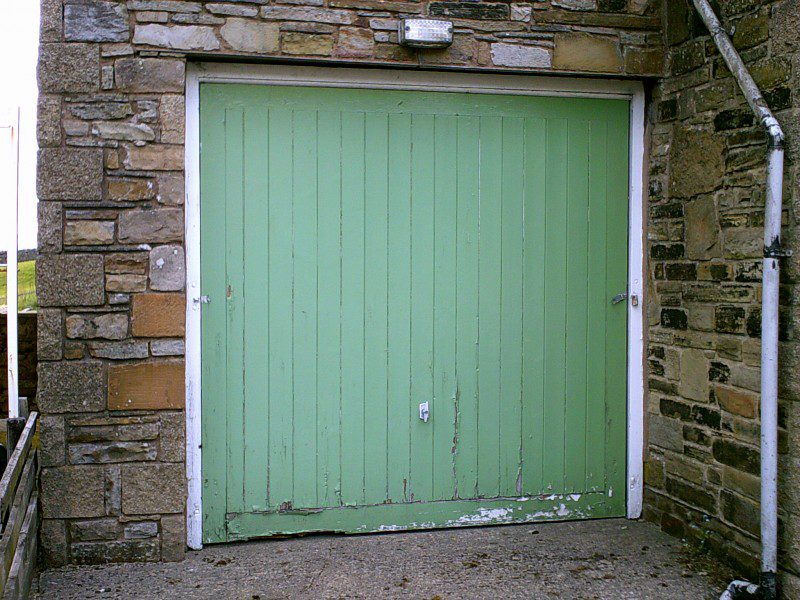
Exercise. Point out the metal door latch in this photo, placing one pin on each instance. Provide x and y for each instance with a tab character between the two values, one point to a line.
424	413
201	300
619	298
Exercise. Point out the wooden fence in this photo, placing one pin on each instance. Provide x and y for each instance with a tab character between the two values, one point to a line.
19	510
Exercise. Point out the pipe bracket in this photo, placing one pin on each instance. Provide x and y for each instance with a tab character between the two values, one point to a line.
775	250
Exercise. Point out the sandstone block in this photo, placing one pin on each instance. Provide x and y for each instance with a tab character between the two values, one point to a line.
72	492
173	115
694	375
167	348
697	162
69	174
177	37
167	268
96	529
702	229
71	387
88	233
112	429
355	42
124	350
246	35
785	25
514	55
737	402
65	68
70	280
155	158
110	326
153	489
141	530
582	52
576	4
313	15
111	452
312	44
131	190
158	315
170	189
48	334
146	386
126	283
470	10
96	22
133	132
173	437
151	226
103	110
118	551
126	262
176	6
234	10
173	538
148	75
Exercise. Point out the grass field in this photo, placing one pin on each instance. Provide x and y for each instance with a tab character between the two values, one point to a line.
26	282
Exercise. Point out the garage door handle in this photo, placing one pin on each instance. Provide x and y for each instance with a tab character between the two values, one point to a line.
619	298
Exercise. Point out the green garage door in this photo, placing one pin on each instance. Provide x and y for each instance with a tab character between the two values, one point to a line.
366	252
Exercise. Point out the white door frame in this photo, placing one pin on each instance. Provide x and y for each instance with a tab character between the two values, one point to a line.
481	83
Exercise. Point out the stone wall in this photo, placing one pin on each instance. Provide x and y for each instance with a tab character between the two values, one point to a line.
26	349
707	173
110	183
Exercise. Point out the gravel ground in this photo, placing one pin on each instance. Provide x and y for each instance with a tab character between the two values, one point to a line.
614	559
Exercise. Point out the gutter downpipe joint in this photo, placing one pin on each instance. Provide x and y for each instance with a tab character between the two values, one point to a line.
773	252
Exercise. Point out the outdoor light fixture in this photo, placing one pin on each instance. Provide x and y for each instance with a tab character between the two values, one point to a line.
425	33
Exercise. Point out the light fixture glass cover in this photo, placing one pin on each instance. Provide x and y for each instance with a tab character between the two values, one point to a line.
425	33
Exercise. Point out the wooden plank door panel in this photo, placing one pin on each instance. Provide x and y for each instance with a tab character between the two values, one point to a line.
366	251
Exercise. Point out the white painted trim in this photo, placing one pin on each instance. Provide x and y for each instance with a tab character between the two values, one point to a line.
635	313
194	512
449	81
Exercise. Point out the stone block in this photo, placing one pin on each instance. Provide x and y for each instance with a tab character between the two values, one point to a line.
125	350
113	490
118	551
49	231
173	538
126	262
69	68
582	52
93	530
53	540
785	28
146	386
89	233
644	61
111	452
158	315
101	110
71	387
167	268
70	280
355	42
48	121
70	174
109	326
694	375
173	115
470	10
151	489
50	20
150	226
131	190
141	530
167	348
306	14
72	492
149	75
113	429
312	44
246	35
96	22
52	440
176	37
702	229
516	55
170	189
126	283
736	455
697	162
665	433
49	334
229	9
155	158
131	132
173	437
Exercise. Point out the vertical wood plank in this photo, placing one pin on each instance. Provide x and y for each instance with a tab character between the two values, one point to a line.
489	300
577	303
375	318
234	267
304	318
213	323
445	390
598	305
280	308
533	306
467	307
256	307
422	258
400	410
329	318
352	434
511	309
555	304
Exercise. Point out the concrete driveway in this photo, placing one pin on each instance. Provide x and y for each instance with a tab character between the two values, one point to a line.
612	559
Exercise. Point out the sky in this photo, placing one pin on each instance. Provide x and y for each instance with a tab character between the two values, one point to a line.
19	39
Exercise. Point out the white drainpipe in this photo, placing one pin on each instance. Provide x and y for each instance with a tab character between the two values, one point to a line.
773	252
